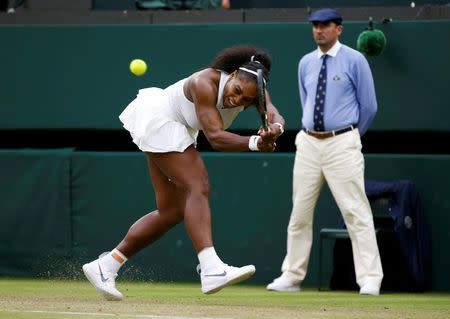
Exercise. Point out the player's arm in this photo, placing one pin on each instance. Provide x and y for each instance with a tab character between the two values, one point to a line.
276	121
203	92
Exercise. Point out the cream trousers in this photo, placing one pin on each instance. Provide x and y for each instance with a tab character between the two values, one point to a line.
340	162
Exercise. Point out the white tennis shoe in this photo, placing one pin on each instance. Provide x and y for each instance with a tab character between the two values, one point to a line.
370	288
283	284
102	280
214	281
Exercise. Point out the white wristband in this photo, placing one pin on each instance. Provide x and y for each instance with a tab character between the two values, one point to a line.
281	127
253	142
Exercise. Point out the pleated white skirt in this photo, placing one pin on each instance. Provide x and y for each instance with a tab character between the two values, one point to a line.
154	124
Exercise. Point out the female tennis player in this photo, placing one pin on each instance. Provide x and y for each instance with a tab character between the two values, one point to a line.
164	124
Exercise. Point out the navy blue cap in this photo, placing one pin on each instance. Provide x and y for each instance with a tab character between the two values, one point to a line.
325	15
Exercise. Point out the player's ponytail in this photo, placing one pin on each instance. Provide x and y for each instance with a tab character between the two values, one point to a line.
246	56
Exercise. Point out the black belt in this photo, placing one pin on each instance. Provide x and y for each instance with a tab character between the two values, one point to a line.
327	134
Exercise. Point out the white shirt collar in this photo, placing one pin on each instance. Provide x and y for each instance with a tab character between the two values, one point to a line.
333	51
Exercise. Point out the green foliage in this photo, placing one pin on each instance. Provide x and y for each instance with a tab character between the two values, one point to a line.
371	42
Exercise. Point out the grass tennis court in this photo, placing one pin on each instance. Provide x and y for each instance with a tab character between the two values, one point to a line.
51	299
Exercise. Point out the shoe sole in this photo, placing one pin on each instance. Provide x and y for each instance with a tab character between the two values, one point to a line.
372	293
232	281
105	294
296	289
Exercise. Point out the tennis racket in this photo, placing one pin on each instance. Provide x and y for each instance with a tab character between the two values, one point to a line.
261	107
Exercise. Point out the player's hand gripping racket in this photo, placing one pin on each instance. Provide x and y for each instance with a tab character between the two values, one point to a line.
262	109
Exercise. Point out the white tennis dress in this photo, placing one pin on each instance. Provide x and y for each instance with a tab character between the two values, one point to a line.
163	121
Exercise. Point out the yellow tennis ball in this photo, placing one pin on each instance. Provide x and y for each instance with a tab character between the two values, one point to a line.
138	67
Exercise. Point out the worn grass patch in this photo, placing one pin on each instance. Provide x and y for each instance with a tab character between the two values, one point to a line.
61	299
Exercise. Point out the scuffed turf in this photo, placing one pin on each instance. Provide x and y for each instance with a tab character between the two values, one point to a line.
24	299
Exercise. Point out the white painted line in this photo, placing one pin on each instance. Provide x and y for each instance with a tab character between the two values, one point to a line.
96	314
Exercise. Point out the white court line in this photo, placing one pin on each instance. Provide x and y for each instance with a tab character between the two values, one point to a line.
116	315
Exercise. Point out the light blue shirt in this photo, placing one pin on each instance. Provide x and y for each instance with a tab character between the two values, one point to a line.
350	93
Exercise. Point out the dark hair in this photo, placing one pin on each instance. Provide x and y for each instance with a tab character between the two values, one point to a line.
246	56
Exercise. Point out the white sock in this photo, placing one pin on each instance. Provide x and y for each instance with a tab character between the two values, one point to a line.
113	260
209	260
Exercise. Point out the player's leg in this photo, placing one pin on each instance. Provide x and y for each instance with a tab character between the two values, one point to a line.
188	172
170	200
307	182
344	173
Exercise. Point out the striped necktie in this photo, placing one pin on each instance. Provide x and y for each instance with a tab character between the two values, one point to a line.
320	96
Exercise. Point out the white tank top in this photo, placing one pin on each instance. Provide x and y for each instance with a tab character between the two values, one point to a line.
184	110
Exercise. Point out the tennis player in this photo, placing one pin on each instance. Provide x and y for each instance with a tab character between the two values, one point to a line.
164	124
